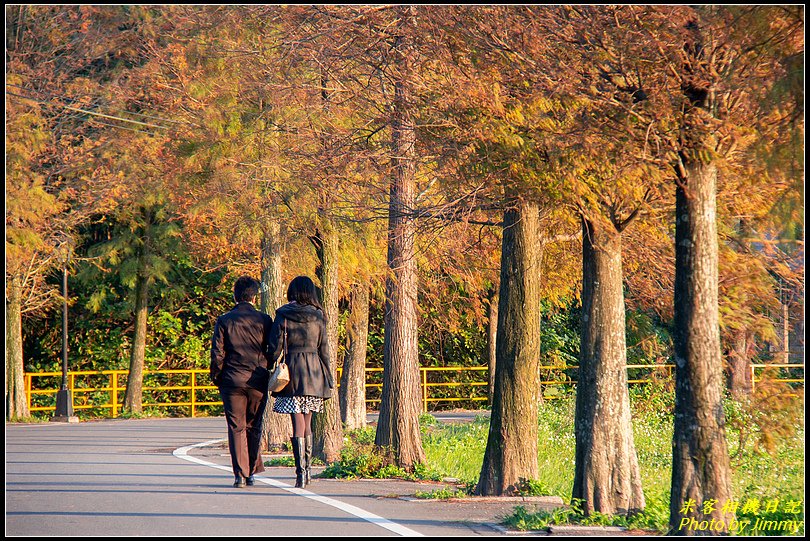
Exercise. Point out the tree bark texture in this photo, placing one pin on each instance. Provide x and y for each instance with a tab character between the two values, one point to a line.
785	357
276	427
133	398
492	341
400	405
606	474
511	451
738	376
16	401
353	379
700	461
327	429
272	288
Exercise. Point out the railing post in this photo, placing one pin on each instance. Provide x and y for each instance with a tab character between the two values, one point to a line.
28	384
114	392
753	377
424	389
193	392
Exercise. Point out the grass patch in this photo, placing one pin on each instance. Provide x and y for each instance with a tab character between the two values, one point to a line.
33	418
649	519
444	493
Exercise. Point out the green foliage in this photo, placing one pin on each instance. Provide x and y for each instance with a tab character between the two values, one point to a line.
648	341
288	461
522	519
147	413
444	493
456	450
531	487
426	419
355	462
656	398
762	421
99	337
559	334
144	241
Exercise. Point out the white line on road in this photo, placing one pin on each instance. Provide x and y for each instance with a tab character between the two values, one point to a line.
182	453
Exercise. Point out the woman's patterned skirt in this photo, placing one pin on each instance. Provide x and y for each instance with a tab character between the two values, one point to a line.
298	404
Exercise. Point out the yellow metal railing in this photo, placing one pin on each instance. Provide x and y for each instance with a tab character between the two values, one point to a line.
101	389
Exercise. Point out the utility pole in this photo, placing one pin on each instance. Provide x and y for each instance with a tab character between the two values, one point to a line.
64	397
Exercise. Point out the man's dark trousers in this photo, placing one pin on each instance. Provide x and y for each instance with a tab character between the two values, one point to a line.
244	410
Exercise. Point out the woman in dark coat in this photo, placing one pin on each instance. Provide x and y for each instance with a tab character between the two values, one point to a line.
303	321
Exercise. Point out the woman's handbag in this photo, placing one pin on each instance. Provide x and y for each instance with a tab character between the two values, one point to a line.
280	376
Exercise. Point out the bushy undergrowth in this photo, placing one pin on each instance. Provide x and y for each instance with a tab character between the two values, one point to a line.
359	459
651	519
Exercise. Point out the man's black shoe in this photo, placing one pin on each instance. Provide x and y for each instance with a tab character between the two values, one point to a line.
251	481
239	482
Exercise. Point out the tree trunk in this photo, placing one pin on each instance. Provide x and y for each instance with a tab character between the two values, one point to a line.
606	473
398	425
16	401
327	430
353	379
133	399
785	329
272	288
492	333
739	377
511	452
276	427
700	462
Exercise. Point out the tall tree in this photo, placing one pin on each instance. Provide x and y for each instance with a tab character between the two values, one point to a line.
328	431
276	429
613	177
606	482
374	44
504	118
232	186
353	378
398	424
719	74
32	242
511	452
143	241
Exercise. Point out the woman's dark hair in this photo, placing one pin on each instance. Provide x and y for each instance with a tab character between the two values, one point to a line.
302	290
245	289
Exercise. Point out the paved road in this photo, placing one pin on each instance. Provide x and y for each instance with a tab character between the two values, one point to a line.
153	477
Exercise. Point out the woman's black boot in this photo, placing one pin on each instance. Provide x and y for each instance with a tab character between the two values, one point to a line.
307	459
299	454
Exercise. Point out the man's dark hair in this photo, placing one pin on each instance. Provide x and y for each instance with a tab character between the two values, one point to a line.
302	290
245	289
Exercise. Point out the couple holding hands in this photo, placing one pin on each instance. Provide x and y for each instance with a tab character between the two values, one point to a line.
245	344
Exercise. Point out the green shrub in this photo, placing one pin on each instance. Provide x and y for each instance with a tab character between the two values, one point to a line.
360	458
531	487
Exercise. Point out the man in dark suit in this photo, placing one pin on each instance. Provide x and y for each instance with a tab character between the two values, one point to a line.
239	361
